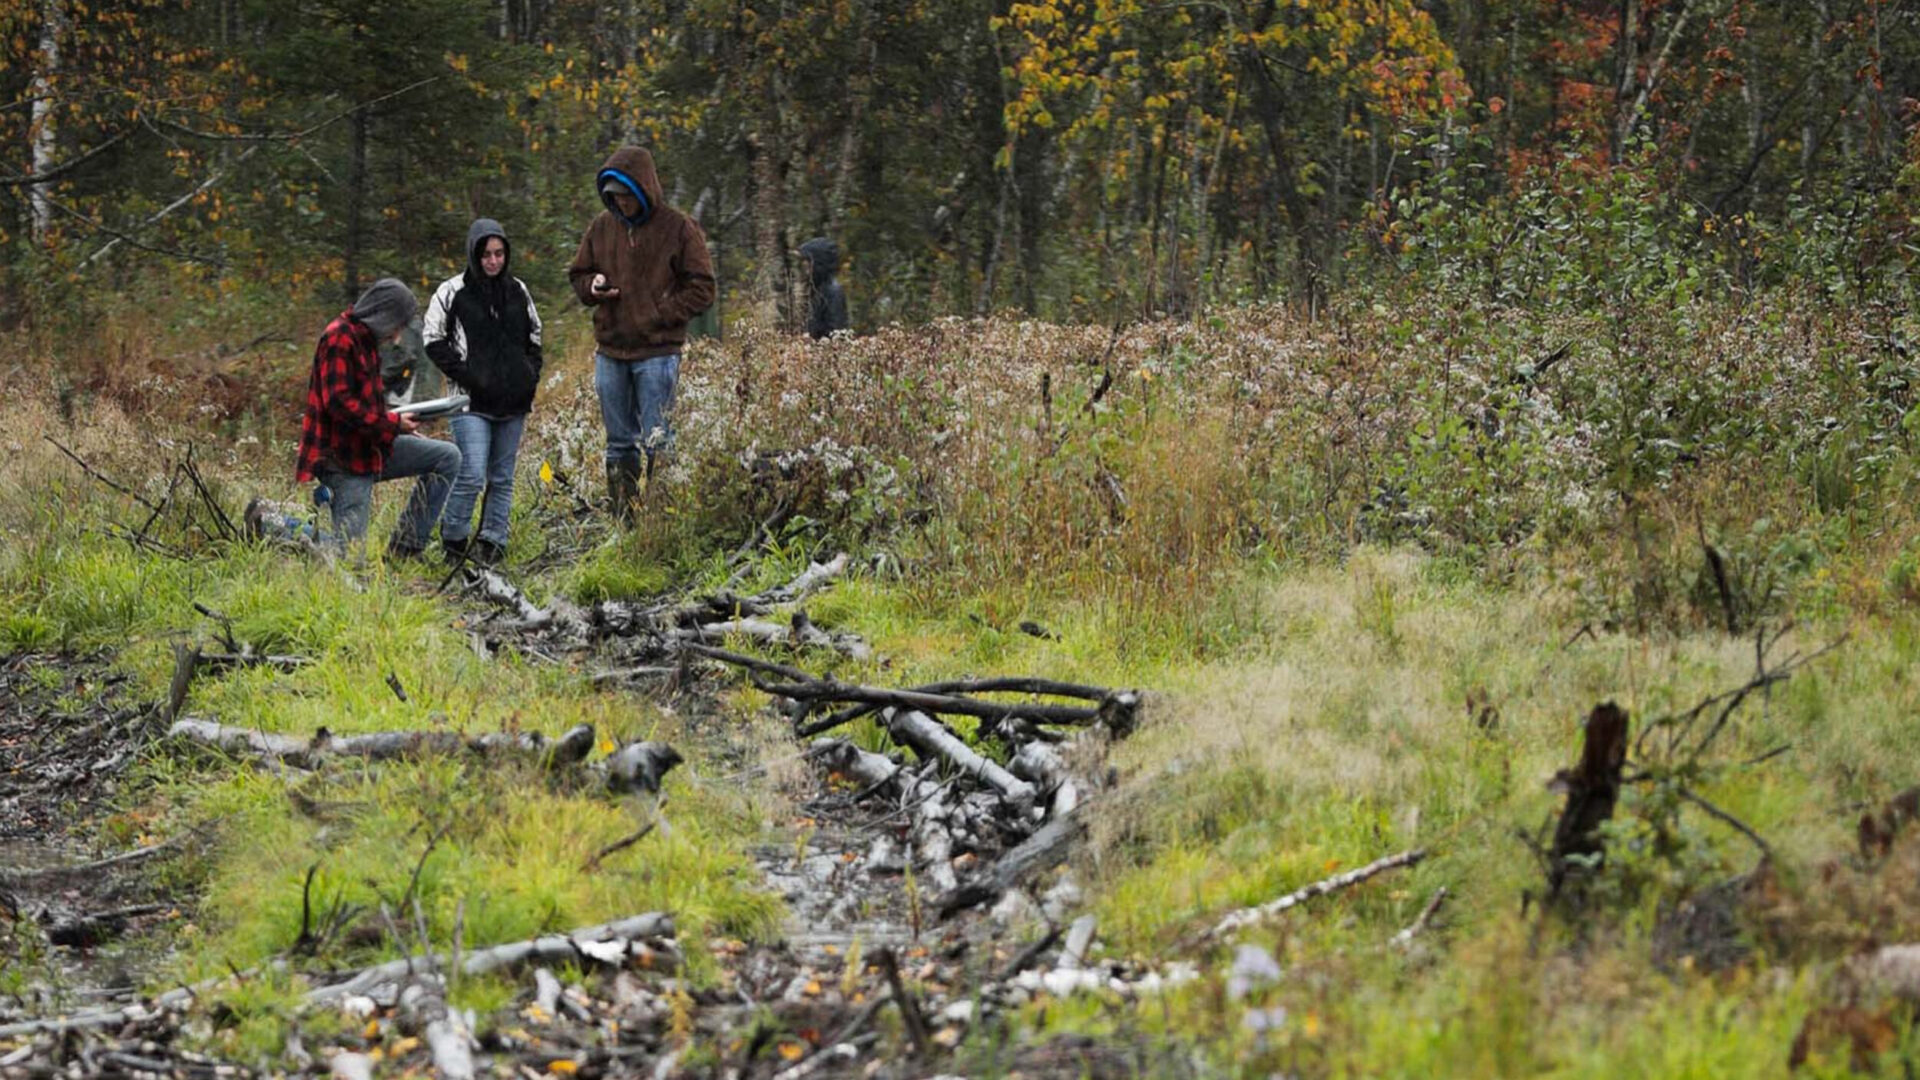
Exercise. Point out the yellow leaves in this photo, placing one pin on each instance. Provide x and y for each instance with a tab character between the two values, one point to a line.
563	1066
792	1051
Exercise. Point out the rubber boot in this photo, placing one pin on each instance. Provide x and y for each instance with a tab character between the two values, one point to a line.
623	487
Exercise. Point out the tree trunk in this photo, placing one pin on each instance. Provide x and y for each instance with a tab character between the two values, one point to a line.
44	129
769	271
1628	42
856	116
356	201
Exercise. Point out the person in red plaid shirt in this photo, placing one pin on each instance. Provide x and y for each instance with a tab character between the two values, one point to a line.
350	440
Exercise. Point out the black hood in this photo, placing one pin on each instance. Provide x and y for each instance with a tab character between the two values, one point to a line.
823	255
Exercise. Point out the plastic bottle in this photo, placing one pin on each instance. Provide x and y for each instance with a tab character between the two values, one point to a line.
277	521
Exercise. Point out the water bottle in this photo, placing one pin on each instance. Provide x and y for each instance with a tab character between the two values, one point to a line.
281	522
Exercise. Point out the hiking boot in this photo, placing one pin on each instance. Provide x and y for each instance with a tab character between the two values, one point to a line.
623	487
488	553
456	551
400	551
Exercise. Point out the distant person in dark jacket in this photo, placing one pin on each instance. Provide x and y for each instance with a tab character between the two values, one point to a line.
644	270
827	309
350	439
483	331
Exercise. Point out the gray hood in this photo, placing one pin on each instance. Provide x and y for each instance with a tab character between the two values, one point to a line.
479	233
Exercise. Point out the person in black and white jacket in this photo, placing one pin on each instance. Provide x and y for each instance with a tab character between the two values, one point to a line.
482	330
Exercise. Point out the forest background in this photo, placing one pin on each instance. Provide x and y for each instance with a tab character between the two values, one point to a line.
1091	160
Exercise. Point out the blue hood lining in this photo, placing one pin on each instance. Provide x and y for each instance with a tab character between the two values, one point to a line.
646	204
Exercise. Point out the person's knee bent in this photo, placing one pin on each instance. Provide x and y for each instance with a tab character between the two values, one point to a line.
448	460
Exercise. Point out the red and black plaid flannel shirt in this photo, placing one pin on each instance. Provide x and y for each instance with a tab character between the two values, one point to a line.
347	424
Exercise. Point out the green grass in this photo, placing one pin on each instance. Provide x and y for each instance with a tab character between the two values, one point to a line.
1363	630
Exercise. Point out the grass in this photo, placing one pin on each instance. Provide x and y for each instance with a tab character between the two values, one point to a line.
1366	626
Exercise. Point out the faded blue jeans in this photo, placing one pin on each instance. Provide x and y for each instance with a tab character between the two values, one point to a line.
636	404
489	447
433	461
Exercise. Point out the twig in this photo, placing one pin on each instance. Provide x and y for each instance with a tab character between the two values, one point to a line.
100	476
1419	925
1728	820
226	625
1026	957
618	845
727	656
910	1015
185	659
220	517
414	881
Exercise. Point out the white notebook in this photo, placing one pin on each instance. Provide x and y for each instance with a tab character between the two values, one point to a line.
440	406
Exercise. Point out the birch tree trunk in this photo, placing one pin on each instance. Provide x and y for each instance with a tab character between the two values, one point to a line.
44	130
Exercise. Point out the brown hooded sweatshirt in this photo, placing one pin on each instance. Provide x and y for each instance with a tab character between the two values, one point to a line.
658	261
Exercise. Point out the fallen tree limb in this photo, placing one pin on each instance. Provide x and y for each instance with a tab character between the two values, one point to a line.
1003	685
815	577
448	1039
1248	916
1046	848
560	615
872	770
821	690
606	943
800	634
926	737
727	656
99	866
309	752
1405	937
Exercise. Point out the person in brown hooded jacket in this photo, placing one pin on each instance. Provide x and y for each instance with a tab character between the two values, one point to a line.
643	268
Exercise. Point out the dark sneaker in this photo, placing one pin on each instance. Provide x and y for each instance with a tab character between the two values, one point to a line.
488	553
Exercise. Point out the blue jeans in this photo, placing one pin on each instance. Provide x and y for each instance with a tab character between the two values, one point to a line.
636	404
433	461
488	449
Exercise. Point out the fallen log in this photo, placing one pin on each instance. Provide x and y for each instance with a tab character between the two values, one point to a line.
928	738
1045	849
801	634
815	577
606	943
924	800
570	748
826	690
445	1030
1248	916
560	615
1042	764
626	618
871	770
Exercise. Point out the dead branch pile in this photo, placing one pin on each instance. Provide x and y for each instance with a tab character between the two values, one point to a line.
650	635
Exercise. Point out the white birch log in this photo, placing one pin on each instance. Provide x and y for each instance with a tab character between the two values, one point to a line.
930	739
308	752
608	943
1248	916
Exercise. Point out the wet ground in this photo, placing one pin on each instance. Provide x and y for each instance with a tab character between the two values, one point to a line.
78	898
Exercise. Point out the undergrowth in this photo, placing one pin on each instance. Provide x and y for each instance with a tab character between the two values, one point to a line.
1375	569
